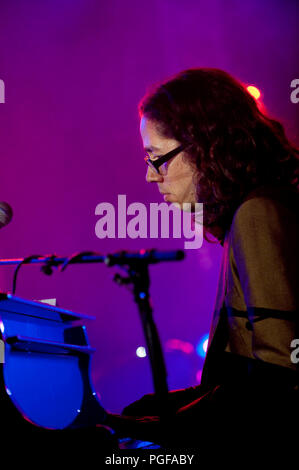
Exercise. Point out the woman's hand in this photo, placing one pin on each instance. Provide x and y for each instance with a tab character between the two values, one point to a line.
148	405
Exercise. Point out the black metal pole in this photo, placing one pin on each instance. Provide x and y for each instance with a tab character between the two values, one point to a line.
139	275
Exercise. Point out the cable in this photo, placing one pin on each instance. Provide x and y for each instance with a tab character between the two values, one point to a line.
24	261
77	257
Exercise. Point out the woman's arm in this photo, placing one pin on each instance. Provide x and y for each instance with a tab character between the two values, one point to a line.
265	237
189	425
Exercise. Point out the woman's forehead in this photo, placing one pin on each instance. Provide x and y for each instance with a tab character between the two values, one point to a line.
153	140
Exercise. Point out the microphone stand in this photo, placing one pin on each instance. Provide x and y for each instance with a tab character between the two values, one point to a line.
136	266
138	275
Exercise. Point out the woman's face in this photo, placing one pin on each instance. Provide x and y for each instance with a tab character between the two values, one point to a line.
176	181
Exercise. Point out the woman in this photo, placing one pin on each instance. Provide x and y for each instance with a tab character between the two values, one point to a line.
207	141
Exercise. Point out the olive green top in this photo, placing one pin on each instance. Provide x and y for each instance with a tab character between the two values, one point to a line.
257	306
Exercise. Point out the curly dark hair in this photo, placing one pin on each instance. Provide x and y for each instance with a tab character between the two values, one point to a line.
235	147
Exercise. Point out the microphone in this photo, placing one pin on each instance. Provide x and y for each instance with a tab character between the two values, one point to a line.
5	214
148	256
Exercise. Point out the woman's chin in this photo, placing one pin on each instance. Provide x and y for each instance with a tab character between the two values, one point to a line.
172	200
184	206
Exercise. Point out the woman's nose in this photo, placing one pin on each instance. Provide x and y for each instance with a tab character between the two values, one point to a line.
152	176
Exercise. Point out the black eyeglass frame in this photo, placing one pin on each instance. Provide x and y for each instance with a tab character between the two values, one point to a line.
155	164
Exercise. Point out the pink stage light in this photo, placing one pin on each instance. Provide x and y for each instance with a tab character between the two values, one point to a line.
198	376
178	344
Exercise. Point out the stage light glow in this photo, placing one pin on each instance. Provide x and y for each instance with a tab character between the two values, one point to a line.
201	347
254	91
198	376
140	352
205	345
178	344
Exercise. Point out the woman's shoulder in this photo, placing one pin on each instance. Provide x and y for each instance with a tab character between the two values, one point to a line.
267	206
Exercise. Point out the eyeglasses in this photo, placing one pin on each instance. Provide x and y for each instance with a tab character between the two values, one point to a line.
155	164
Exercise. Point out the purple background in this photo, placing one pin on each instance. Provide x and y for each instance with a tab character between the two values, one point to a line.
74	71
